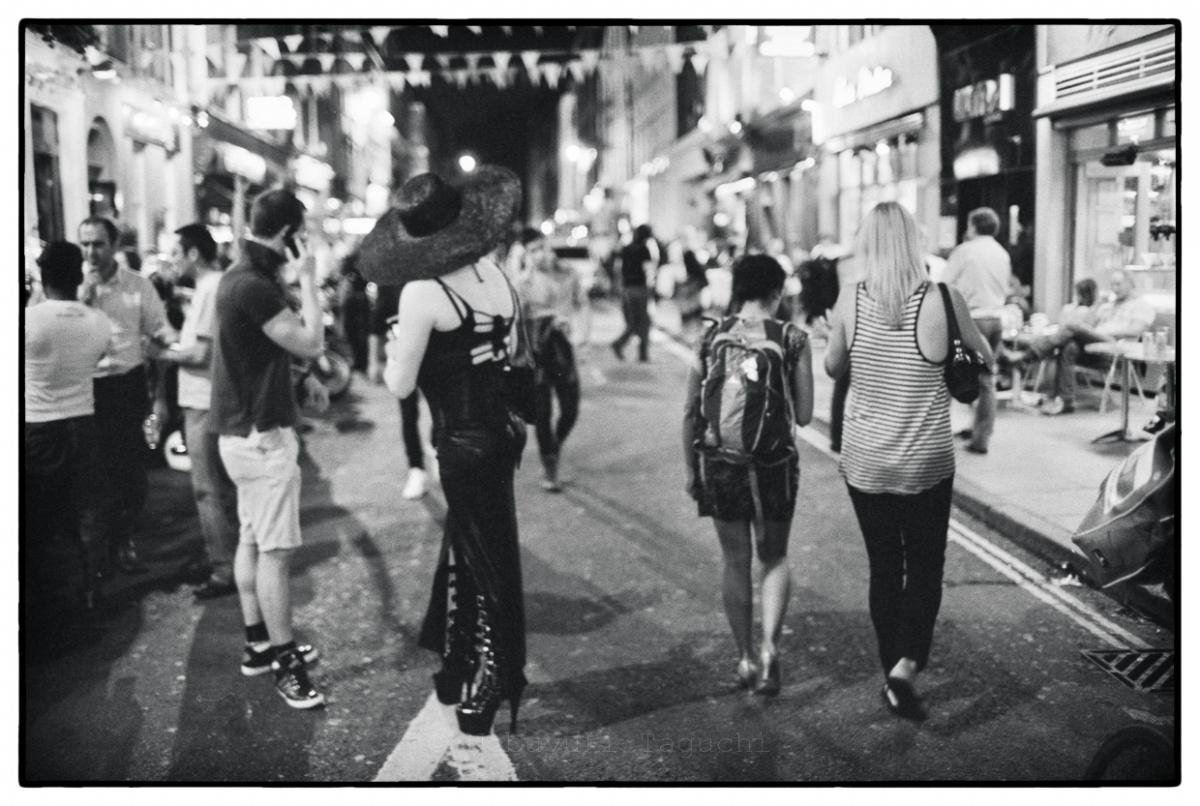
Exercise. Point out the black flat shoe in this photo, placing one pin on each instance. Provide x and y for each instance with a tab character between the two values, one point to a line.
907	705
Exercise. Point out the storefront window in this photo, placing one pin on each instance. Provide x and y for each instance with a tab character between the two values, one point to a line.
886	171
1125	219
47	184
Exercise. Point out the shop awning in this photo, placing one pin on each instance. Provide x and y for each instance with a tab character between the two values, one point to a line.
226	131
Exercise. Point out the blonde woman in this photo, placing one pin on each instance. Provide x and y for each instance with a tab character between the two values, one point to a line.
897	454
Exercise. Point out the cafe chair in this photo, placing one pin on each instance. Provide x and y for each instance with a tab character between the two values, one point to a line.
1111	380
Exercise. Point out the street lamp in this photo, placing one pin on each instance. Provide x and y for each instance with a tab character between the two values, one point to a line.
467	163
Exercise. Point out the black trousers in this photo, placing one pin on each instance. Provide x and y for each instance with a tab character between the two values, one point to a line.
121	408
480	554
409	409
557	378
60	491
906	548
635	304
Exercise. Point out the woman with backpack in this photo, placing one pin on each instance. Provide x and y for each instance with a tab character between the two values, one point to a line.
749	387
897	452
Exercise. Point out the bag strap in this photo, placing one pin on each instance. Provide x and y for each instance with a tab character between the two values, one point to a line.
951	319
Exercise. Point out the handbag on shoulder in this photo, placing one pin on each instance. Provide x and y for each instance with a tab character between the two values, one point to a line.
964	364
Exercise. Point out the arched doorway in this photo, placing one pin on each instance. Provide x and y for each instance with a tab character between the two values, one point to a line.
102	184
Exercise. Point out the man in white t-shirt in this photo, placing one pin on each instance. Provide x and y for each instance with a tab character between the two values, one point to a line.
195	256
981	270
64	342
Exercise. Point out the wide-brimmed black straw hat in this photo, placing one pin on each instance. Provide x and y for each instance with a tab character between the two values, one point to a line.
437	226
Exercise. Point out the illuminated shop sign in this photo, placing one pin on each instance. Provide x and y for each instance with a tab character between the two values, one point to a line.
985	99
238	160
867	82
270	112
149	127
312	173
1135	129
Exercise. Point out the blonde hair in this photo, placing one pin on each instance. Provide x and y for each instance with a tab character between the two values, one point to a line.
889	245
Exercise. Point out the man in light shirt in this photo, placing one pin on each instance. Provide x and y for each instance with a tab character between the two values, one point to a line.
195	256
981	270
64	341
1126	316
139	320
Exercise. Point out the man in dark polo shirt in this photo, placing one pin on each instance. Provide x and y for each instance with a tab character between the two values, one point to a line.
637	260
254	414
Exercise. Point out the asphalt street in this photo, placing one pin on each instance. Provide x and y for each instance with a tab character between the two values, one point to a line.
631	664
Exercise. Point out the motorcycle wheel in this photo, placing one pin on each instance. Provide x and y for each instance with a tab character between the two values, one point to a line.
334	373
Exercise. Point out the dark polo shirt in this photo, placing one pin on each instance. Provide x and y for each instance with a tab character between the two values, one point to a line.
251	378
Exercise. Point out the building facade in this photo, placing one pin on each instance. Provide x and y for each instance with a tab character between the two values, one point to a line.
1107	159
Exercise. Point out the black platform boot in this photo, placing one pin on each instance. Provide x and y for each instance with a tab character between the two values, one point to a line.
476	715
457	662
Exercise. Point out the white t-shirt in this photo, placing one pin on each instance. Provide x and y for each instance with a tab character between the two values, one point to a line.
195	383
64	340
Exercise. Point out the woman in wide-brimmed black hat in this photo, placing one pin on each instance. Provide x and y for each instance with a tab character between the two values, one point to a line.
453	339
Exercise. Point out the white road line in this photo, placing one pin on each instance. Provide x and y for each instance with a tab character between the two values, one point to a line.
433	737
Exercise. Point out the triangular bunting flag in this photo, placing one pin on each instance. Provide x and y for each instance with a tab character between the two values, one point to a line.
379	33
460	78
507	29
270	46
537	30
351	35
355	60
441	30
475	29
675	58
472	61
326	60
552	71
214	53
499	76
414	61
327	38
345	81
301	83
699	62
633	29
396	81
500	59
590	59
293	42
297	59
443	60
530	59
576	68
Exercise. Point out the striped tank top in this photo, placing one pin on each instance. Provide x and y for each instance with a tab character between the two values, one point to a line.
896	437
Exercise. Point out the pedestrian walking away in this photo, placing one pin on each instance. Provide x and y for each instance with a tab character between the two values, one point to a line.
638	259
254	413
750	386
551	294
897	451
981	270
453	339
64	341
383	314
140	329
195	256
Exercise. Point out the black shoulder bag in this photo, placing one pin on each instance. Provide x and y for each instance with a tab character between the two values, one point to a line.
964	365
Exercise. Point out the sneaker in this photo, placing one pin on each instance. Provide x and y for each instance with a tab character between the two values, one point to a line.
417	484
256	663
292	683
1057	406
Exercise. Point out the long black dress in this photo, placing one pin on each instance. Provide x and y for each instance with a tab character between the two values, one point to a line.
479	442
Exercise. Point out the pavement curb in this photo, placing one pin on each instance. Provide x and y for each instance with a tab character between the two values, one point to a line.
1020	526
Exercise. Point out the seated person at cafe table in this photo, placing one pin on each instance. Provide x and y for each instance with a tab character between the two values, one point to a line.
1126	316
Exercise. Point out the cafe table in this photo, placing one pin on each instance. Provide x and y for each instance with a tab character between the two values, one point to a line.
1125	353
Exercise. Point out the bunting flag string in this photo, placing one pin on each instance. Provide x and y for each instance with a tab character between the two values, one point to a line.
577	64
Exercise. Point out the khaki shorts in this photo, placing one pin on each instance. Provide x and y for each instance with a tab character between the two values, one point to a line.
263	466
